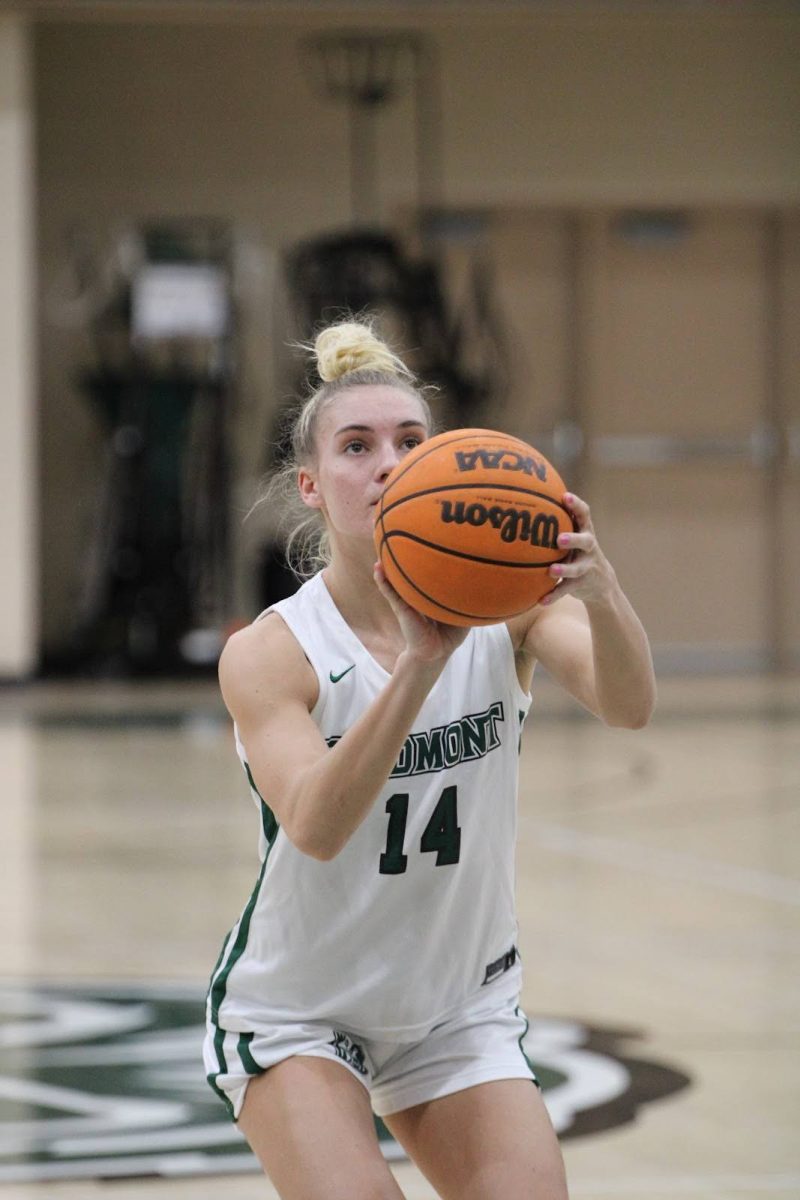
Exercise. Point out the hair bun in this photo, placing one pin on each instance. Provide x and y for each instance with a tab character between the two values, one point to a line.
352	346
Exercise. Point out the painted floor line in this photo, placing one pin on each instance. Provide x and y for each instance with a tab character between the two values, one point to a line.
689	1185
669	864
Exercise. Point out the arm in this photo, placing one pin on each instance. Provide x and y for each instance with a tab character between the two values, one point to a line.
319	795
587	635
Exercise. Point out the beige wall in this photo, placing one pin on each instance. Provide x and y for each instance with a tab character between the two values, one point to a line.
662	351
18	593
787	526
543	108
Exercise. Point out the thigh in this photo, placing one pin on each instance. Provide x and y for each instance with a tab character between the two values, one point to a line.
310	1123
494	1141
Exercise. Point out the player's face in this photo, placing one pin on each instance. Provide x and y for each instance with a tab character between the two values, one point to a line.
361	436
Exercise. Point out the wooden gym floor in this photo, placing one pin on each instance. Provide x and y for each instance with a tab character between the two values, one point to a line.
659	902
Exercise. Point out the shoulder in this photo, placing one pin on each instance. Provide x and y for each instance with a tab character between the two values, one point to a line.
545	630
532	628
264	662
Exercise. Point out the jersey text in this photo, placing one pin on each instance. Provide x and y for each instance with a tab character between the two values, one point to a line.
444	746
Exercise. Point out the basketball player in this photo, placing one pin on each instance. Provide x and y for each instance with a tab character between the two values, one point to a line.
375	967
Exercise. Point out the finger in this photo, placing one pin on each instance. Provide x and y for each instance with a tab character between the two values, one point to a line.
562	589
579	510
570	570
384	587
393	598
576	541
381	582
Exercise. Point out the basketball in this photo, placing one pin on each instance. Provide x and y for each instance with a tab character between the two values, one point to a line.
468	524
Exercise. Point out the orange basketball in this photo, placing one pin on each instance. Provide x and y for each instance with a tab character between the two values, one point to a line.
468	524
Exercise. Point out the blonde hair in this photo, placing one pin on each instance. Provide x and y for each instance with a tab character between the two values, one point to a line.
347	354
354	346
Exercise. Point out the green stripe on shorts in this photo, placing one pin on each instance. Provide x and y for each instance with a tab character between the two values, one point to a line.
518	1012
219	1047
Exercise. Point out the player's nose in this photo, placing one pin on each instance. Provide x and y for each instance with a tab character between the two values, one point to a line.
388	459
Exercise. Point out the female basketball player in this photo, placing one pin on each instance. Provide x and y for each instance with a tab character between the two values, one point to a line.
375	965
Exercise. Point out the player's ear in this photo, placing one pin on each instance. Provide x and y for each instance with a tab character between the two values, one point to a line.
309	491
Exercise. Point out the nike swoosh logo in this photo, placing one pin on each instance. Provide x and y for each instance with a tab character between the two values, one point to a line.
336	678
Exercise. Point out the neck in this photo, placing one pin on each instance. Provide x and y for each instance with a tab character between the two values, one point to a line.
349	580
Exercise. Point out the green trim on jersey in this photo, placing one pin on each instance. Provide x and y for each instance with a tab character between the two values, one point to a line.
218	985
268	822
218	963
521	715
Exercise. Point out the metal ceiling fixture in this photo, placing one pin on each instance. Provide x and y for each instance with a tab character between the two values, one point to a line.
367	71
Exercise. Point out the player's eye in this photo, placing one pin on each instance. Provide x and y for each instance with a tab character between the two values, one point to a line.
354	447
411	441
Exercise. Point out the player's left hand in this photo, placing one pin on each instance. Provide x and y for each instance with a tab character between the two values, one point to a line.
426	639
587	574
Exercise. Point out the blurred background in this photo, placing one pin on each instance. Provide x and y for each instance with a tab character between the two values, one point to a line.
581	219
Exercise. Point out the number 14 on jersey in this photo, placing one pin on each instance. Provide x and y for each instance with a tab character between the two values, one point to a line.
442	834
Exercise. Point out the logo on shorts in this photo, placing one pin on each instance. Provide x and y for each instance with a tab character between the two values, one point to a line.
108	1082
349	1051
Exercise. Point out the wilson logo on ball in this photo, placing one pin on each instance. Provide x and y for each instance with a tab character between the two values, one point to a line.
503	460
513	524
467	527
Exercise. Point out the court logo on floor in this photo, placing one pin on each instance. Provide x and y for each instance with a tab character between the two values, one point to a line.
107	1082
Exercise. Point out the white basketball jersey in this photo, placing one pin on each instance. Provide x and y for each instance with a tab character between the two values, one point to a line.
416	913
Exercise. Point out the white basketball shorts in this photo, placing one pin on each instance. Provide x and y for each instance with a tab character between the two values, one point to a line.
479	1042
